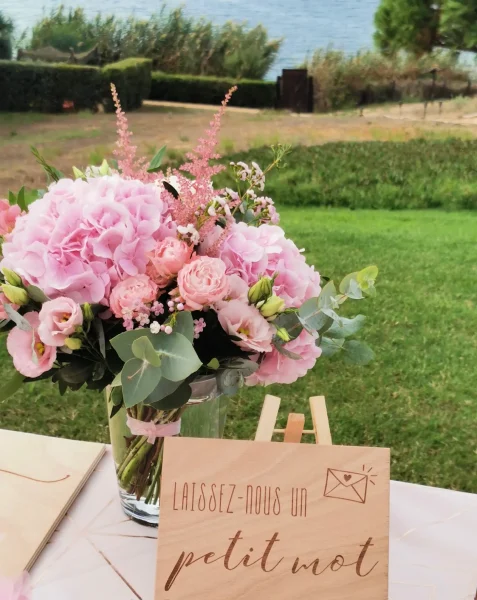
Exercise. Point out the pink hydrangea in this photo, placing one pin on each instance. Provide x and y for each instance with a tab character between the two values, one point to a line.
59	319
31	357
83	237
255	251
8	216
277	368
245	322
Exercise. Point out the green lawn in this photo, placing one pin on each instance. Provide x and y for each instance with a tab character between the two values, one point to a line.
420	395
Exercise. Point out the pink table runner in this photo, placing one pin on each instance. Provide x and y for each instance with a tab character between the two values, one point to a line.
98	553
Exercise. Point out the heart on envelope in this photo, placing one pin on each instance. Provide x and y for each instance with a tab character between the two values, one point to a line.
346	485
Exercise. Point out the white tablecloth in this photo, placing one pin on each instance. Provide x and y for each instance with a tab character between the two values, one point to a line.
99	554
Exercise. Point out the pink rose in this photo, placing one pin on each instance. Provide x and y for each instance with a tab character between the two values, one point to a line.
3	301
167	259
8	216
276	368
22	344
58	320
15	589
245	322
203	282
130	295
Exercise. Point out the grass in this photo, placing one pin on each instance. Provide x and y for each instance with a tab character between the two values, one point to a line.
418	397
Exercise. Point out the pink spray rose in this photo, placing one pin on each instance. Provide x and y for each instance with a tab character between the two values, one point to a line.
15	589
58	320
167	259
203	282
4	300
22	344
276	368
245	322
128	297
8	217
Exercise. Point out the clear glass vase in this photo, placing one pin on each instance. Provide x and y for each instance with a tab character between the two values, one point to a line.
139	463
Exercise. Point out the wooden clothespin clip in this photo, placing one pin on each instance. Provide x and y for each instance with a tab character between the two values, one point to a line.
295	428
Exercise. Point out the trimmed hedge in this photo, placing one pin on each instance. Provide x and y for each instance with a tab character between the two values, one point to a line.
132	78
44	87
211	90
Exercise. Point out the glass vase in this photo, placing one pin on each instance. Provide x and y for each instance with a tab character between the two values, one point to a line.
139	462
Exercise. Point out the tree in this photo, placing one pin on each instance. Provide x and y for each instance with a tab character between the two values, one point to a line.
420	26
6	33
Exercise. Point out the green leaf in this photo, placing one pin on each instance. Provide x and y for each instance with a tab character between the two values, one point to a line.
116	381
142	348
156	162
164	389
291	323
36	294
138	378
116	396
350	287
179	359
282	350
12	199
344	328
76	372
357	353
311	316
123	342
21	198
328	296
17	318
214	364
330	347
178	398
99	329
230	381
246	366
367	278
51	171
12	386
185	325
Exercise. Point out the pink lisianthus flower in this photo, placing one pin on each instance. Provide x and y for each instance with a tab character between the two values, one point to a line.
15	589
129	296
167	259
83	237
31	357
238	290
8	217
203	282
245	322
58	320
277	368
4	300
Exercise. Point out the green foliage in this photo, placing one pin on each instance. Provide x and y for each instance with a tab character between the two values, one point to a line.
211	90
42	87
132	78
343	80
6	34
393	175
175	43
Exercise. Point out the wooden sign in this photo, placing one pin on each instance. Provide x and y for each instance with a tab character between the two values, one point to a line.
39	479
262	520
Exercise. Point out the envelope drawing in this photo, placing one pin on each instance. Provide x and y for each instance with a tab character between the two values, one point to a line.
346	485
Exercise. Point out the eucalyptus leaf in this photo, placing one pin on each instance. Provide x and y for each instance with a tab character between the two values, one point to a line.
138	378
185	325
36	294
213	364
17	318
282	350
230	381
156	161
116	396
162	390
177	398
357	353
350	287
179	359
366	279
116	381
346	327
330	347
291	323
123	342
11	386
328	296
142	348
311	316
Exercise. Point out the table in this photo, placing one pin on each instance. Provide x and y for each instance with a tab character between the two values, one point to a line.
99	554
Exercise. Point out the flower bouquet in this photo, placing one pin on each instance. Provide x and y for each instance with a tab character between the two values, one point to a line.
165	292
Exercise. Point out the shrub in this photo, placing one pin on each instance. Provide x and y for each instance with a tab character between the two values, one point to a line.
44	87
211	90
175	43
368	77
132	78
388	175
6	33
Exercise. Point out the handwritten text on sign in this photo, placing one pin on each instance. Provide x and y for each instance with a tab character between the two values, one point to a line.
251	519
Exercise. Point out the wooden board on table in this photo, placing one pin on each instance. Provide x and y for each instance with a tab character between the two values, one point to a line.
255	520
39	479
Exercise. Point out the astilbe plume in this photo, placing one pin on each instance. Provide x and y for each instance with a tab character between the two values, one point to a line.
130	166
